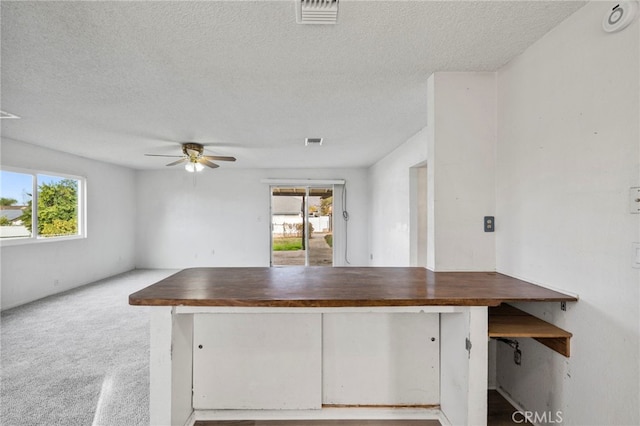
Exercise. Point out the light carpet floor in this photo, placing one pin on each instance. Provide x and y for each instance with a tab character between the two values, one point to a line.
78	358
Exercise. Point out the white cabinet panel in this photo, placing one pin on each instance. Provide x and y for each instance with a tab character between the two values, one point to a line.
463	396
257	361
381	359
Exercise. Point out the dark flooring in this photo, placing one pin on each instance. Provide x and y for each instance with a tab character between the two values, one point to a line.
499	414
322	423
499	410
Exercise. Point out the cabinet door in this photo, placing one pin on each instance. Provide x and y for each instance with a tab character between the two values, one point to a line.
381	359
257	361
464	354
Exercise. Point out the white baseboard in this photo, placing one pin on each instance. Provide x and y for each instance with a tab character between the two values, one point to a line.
323	414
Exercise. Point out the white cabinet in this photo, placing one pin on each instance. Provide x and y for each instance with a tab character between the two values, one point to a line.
302	361
236	363
257	361
381	359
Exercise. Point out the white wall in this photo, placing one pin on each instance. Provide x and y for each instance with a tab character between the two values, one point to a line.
568	150
222	218
29	270
461	171
389	193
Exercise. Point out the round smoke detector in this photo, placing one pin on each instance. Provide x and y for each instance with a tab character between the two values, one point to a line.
620	16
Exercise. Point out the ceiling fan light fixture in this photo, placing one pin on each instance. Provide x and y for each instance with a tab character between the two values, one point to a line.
193	159
193	167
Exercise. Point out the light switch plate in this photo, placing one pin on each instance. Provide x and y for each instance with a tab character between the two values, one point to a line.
634	199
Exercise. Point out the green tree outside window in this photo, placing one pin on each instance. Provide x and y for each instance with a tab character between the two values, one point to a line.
57	209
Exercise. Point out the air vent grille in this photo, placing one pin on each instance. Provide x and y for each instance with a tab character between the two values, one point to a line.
317	11
4	114
313	141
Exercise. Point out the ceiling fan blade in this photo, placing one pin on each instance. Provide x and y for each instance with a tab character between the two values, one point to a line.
208	163
180	161
162	155
219	158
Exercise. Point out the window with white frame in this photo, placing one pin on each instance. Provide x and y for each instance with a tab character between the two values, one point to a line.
37	206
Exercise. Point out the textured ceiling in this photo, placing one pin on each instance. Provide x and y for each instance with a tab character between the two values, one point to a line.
114	80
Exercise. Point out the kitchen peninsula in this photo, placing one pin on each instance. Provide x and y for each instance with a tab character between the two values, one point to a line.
324	342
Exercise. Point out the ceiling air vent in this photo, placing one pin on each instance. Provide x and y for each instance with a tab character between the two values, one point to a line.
313	141
317	11
4	114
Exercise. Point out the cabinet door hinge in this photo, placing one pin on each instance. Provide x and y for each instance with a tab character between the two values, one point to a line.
467	345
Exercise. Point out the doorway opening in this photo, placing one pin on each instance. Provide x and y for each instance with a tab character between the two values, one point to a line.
418	215
301	226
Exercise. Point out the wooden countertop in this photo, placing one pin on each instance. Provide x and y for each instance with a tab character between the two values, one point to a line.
293	286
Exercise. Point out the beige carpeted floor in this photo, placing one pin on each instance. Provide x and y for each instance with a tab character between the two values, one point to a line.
78	358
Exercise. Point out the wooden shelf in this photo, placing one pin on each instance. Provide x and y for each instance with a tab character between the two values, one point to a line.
507	321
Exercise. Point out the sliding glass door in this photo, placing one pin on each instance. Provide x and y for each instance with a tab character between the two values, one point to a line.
301	226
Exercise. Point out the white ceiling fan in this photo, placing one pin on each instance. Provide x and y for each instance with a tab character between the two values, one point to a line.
194	159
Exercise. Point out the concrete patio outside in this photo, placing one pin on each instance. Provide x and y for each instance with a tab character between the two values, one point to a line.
320	254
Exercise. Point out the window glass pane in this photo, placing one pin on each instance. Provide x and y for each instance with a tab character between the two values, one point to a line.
15	204
57	206
320	227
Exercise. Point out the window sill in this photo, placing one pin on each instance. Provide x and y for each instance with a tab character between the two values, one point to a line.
8	242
